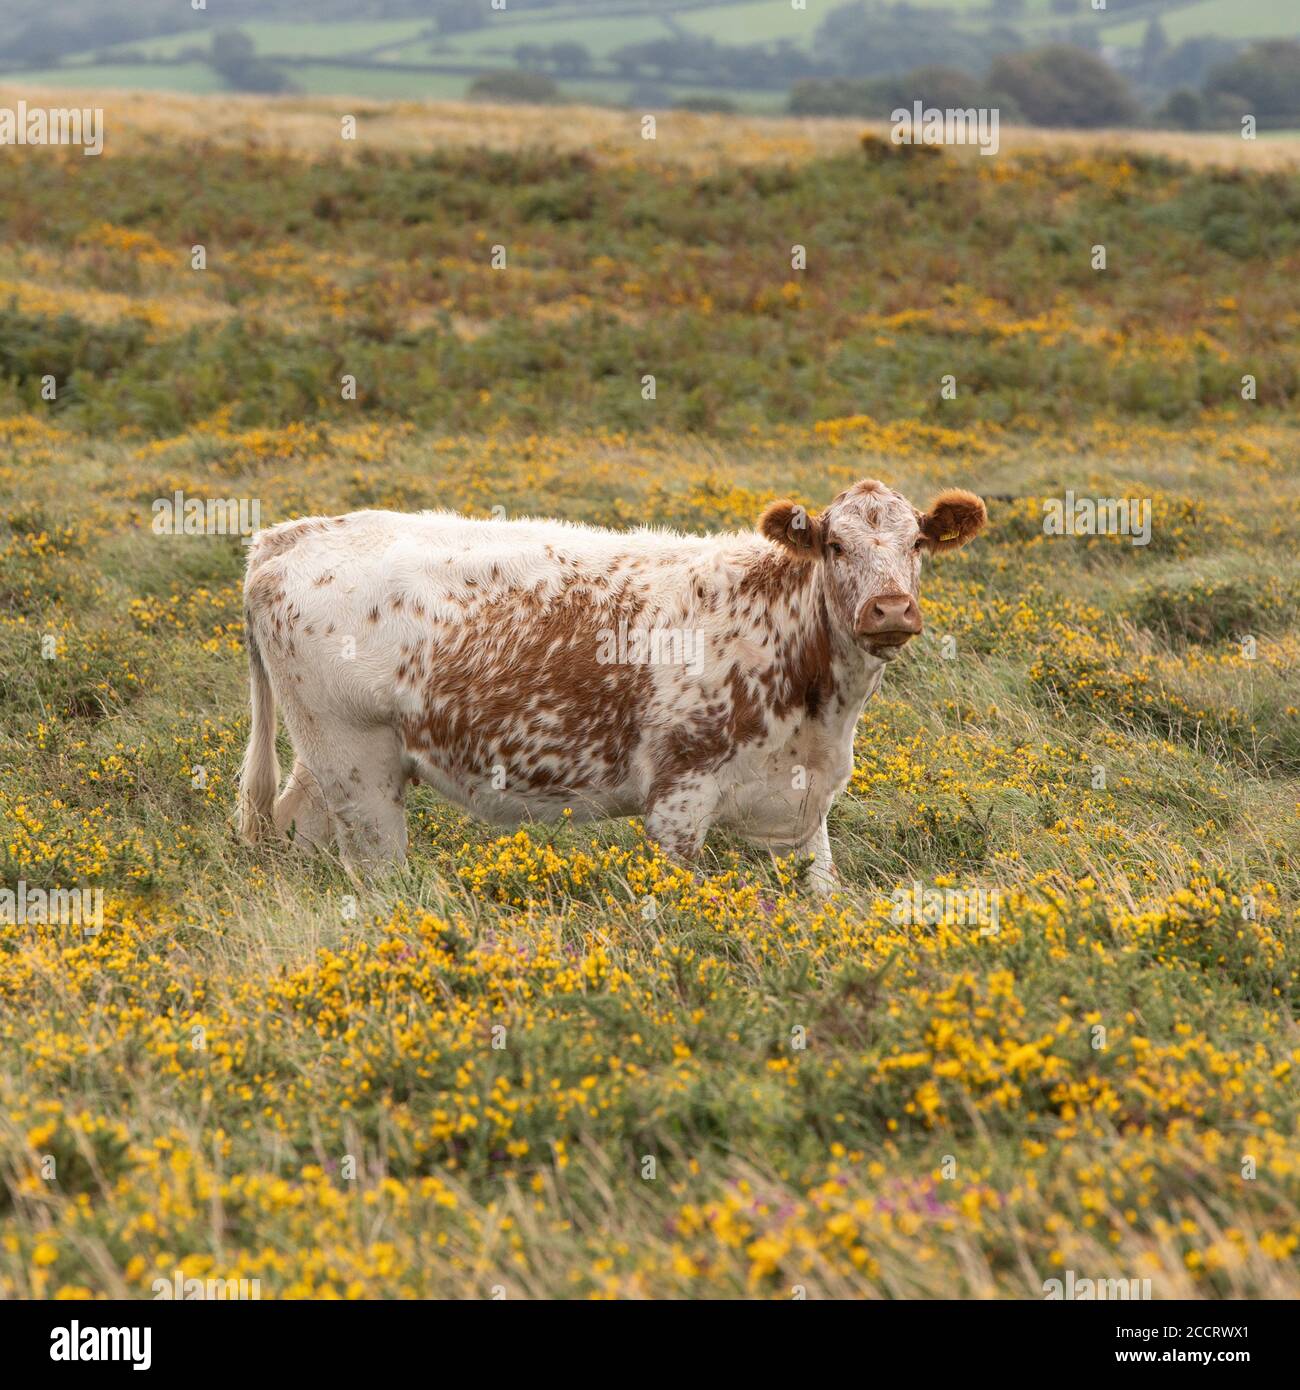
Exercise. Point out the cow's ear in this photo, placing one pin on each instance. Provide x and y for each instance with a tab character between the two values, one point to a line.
789	524
954	517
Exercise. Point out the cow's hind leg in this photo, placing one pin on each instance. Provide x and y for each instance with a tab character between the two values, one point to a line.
300	810
361	776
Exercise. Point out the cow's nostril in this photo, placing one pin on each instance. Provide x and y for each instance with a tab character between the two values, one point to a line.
894	614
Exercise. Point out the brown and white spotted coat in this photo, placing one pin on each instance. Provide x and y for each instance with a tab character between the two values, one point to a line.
499	662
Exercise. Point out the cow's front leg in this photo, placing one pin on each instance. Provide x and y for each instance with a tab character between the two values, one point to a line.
823	876
680	816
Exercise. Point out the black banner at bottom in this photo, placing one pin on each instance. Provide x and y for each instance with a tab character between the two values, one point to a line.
168	1338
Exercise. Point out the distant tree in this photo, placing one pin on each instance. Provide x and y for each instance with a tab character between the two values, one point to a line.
570	57
1081	34
1064	86
231	47
626	59
860	40
1266	76
1224	109
829	96
936	86
530	87
1184	109
933	86
720	105
42	41
1154	45
1187	64
530	56
234	57
671	57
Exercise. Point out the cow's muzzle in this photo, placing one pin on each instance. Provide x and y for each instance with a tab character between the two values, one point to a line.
886	622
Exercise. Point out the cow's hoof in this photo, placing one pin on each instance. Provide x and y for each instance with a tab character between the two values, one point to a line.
821	884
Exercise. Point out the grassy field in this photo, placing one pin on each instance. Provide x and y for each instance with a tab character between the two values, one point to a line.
197	78
1228	19
327	39
551	1061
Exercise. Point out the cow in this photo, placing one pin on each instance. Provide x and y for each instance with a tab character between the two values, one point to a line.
528	669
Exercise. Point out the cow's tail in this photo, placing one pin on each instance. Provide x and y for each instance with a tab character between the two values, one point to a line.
259	777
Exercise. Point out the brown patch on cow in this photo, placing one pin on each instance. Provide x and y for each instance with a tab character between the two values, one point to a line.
703	742
263	589
747	722
802	668
523	690
797	673
773	576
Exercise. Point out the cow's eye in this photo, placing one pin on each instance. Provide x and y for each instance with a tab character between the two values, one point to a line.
835	547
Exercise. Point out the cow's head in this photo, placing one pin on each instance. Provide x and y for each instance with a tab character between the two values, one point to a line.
869	542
